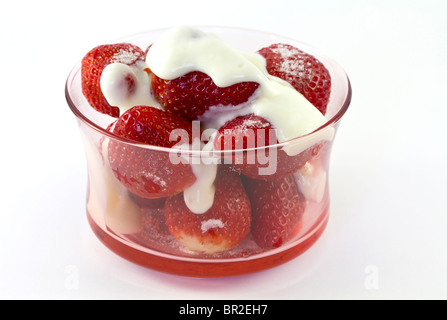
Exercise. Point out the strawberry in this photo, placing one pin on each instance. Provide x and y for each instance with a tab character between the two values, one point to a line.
145	172
93	65
220	228
192	94
302	70
277	208
252	131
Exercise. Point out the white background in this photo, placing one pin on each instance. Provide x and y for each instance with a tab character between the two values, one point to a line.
388	174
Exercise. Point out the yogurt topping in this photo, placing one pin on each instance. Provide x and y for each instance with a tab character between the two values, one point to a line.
199	197
182	50
115	80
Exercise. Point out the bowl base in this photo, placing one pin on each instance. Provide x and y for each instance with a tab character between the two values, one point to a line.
208	269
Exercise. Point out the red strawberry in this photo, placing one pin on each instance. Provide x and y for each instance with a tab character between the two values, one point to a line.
94	63
277	208
266	163
192	94
303	71
145	172
220	228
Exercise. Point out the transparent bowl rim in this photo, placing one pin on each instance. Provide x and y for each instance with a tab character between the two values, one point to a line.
333	120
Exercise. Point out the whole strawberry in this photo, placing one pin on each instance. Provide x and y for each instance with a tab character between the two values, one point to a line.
252	131
93	65
220	228
302	70
192	94
277	208
149	173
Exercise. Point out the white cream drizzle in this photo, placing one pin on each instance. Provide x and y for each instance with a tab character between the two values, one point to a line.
115	89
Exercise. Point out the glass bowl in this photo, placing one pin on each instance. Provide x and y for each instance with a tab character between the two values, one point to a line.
135	228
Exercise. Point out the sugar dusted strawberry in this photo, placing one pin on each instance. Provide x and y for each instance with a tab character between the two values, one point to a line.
251	131
145	172
277	208
220	228
93	65
244	132
303	71
192	94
